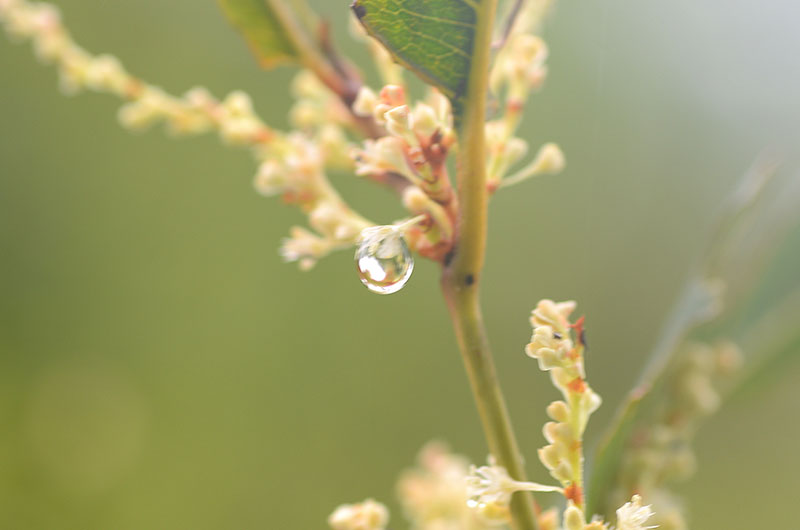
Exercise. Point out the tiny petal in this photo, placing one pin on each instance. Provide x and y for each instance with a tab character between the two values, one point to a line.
633	516
365	102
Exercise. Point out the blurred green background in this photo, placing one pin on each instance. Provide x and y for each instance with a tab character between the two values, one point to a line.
161	368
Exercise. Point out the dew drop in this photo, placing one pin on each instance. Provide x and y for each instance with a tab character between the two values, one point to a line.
383	259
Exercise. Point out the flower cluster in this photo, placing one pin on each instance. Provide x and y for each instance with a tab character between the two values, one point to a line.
434	494
559	346
196	112
630	516
518	70
292	165
413	153
556	352
381	135
298	175
553	347
445	493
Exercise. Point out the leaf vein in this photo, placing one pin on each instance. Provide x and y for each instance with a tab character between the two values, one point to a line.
433	18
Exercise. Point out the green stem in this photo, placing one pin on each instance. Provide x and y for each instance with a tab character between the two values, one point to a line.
474	345
692	307
306	49
343	83
462	272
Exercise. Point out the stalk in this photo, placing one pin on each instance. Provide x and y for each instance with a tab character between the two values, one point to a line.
472	340
339	78
462	272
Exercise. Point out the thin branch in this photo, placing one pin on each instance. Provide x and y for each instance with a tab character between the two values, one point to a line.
340	77
508	26
462	272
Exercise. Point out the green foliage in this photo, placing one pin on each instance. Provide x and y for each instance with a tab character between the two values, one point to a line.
433	38
694	305
262	29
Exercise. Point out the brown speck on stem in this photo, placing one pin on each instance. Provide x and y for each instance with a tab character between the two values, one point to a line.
359	10
574	493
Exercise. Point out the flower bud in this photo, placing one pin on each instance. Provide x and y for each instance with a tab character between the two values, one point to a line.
559	411
393	95
270	179
237	103
398	120
573	518
424	120
365	102
106	73
550	159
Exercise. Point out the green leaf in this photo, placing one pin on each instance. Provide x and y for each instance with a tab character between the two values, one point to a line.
694	305
772	343
262	29
433	38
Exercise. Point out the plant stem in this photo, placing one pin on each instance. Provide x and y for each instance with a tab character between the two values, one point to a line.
462	271
342	82
691	308
474	345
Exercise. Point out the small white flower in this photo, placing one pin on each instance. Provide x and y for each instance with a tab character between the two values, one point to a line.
304	246
399	123
141	113
106	73
492	485
549	159
367	515
238	104
433	494
549	313
633	516
386	154
199	98
515	149
425	121
238	123
270	179
548	347
325	218
303	159
72	71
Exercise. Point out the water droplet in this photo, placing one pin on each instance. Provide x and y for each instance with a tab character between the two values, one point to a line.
383	259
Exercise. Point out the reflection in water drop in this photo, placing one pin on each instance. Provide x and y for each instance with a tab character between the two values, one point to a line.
383	259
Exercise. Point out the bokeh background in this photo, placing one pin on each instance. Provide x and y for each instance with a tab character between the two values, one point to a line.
161	368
